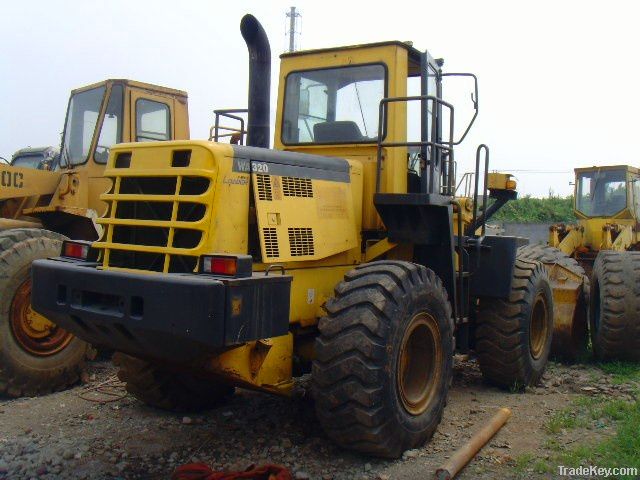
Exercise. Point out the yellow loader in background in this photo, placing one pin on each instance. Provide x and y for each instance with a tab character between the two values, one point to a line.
39	208
604	242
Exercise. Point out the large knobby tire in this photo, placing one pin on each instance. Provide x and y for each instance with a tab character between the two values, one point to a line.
513	337
36	357
570	345
176	391
615	306
384	358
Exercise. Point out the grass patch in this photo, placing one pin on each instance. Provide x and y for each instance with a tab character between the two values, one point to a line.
578	415
623	372
527	462
522	462
620	450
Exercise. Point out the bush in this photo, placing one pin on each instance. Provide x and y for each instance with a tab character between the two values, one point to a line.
529	209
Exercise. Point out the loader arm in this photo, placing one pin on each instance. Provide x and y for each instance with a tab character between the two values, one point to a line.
624	240
571	242
20	182
23	188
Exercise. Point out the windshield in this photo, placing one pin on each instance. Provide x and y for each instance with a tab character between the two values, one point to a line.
28	161
601	193
333	105
82	116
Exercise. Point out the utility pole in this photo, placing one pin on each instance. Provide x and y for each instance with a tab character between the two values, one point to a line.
292	15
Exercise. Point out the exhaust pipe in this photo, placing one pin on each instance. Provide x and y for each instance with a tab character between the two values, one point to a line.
259	81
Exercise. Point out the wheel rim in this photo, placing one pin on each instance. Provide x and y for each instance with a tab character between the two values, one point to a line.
419	363
34	332
539	328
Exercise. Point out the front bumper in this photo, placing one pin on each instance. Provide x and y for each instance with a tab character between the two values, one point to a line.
173	317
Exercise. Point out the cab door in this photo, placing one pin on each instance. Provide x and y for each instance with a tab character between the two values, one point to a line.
152	116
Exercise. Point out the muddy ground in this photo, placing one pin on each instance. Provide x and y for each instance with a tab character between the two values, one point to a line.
64	435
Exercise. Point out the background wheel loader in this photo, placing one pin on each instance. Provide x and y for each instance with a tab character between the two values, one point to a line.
604	243
39	158
343	250
39	208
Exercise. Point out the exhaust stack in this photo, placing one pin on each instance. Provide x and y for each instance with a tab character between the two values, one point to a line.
259	81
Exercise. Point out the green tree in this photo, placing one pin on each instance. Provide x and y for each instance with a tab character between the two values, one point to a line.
529	209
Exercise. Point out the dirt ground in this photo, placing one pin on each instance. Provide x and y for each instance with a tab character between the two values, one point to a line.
63	435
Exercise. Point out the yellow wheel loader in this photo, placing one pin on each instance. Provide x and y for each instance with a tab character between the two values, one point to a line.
605	243
40	207
342	251
39	158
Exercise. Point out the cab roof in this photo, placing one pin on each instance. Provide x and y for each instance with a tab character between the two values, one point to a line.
134	84
413	53
628	168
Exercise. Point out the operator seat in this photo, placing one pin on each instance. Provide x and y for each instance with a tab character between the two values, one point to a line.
341	131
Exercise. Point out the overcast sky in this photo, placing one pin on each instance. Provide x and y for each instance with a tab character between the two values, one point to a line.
558	79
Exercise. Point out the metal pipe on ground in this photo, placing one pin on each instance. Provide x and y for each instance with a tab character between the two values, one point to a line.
469	450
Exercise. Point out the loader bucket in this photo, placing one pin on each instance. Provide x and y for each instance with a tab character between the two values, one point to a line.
570	331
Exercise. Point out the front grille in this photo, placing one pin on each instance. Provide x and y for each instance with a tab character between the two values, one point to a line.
155	223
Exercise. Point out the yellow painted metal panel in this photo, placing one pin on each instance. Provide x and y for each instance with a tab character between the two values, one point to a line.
295	228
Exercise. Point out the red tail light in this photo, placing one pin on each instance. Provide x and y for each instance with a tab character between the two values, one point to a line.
220	265
227	265
78	250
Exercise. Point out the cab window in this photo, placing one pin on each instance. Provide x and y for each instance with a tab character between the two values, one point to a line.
601	193
333	105
111	130
153	121
82	117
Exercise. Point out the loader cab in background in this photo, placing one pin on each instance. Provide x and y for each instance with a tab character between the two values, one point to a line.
607	192
120	111
37	158
99	116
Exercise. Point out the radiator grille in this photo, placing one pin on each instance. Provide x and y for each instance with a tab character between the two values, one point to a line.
264	187
155	223
301	241
297	187
271	242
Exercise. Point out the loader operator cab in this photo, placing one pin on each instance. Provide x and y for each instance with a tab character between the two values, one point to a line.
115	111
348	101
607	192
39	158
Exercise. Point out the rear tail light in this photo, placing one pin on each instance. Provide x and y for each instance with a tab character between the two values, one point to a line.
79	250
227	265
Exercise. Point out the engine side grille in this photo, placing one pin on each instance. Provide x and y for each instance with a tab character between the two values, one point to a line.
297	187
301	241
271	242
264	187
155	223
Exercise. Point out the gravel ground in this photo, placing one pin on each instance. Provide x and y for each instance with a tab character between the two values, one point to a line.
64	435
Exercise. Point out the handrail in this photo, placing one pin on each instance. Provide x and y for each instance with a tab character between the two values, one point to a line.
480	148
474	100
467	179
447	146
214	131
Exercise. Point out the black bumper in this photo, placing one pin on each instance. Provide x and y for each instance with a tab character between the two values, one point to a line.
176	317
